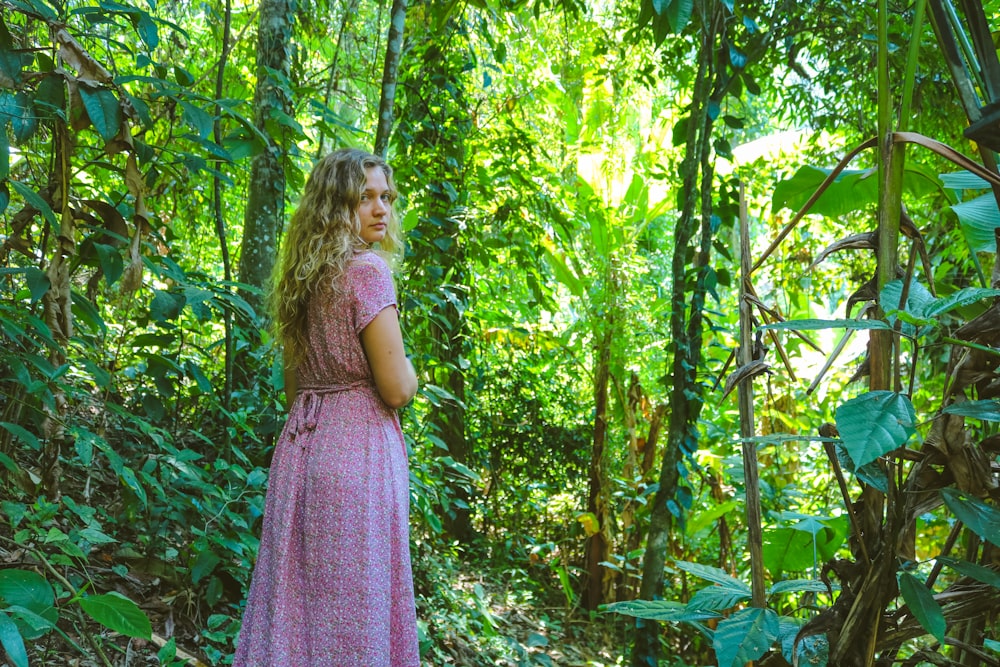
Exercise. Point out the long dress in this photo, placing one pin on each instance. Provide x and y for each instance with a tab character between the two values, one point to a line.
332	586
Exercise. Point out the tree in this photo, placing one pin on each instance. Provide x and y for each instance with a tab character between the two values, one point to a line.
265	207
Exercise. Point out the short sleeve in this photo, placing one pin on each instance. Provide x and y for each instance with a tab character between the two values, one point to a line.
369	282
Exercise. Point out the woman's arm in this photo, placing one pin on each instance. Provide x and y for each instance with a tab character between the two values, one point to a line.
395	379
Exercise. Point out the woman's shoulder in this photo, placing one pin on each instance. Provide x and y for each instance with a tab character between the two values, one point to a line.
366	260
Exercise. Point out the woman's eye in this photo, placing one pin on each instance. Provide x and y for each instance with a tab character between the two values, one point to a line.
364	197
386	198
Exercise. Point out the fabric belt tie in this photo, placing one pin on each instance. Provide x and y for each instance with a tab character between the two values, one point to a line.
306	418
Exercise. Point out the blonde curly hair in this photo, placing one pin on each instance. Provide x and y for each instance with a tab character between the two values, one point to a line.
322	236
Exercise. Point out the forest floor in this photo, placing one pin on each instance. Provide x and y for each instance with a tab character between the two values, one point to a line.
483	620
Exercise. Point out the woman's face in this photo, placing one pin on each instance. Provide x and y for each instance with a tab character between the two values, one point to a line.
374	207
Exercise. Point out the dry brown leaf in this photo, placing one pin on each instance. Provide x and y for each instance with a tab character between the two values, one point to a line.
866	241
87	69
751	370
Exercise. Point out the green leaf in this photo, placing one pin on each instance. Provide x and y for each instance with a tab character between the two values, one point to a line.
973	571
713	574
679	14
805	545
661	610
963	297
147	30
599	233
745	636
104	110
4	163
86	312
800	586
563	273
12	642
11	61
35	626
20	111
165	305
198	119
111	262
812	325
811	651
38	283
987	409
918	299
117	612
128	476
979	217
874	424
980	518
22	434
963	180
717	598
29	590
182	76
850	191
203	566
35	201
922	605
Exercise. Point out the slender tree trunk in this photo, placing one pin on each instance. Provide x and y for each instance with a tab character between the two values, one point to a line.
685	329
220	220
393	52
266	195
437	121
599	580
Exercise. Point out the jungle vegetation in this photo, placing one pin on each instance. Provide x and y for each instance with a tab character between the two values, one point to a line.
704	297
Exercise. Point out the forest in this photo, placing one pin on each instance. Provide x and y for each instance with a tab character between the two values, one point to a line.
703	297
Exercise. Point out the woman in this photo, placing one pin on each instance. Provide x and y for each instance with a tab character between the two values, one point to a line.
332	586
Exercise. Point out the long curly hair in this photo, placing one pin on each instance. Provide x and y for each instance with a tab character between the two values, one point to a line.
322	236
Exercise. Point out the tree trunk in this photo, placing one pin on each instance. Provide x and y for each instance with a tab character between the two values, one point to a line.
266	195
599	579
220	219
393	51
685	329
436	119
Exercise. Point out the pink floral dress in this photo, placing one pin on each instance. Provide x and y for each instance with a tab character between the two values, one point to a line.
332	586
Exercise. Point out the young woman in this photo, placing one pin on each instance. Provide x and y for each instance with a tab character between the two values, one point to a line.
332	586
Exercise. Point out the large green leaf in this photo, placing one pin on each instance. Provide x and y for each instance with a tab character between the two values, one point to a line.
661	610
963	297
922	605
713	574
33	199
812	325
979	217
874	424
679	14
987	409
801	586
117	612
852	190
804	545
918	300
28	590
980	518
718	597
25	436
103	109
745	636
810	651
973	571
12	642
